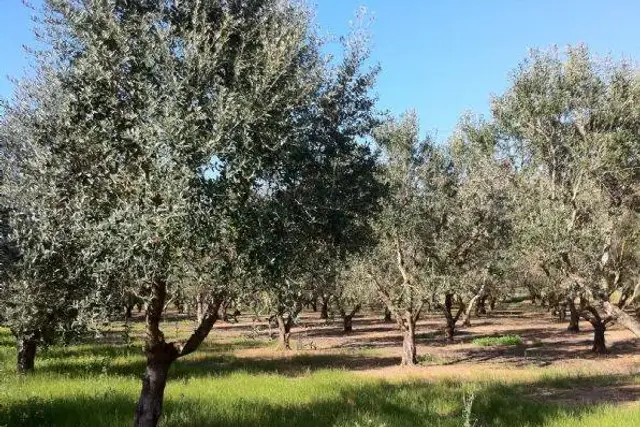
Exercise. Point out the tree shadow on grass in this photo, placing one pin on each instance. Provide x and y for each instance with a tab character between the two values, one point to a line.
204	364
416	403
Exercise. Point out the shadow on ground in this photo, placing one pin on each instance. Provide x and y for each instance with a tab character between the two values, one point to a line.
369	403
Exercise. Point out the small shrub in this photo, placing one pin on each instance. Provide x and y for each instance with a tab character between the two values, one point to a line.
500	340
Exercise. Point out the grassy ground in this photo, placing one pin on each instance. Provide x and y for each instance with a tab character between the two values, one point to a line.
97	385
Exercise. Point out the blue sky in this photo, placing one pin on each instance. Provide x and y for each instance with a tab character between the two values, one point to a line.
440	57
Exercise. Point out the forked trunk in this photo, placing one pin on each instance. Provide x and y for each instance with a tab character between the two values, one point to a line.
599	346
408	327
284	333
159	360
574	317
27	347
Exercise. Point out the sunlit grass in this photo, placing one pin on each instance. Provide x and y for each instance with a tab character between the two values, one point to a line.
97	385
500	340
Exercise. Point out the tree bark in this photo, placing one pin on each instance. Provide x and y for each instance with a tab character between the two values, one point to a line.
622	318
387	315
408	327
574	317
161	354
482	308
450	327
466	319
27	347
348	323
599	346
591	314
128	310
201	307
284	332
159	360
324	308
347	318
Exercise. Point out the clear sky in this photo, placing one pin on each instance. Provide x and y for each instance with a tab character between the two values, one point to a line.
440	57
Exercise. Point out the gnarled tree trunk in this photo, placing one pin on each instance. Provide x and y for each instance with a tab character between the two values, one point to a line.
619	316
408	328
27	346
599	346
599	328
347	318
161	354
450	327
159	360
574	317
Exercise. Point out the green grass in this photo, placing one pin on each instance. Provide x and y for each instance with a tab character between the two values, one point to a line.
500	340
97	385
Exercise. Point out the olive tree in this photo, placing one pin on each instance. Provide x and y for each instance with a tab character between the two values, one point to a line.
400	267
159	101
42	283
313	209
571	122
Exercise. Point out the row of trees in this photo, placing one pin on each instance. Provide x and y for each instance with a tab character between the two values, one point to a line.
208	153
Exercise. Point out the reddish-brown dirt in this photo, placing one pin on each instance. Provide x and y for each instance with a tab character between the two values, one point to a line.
546	344
547	351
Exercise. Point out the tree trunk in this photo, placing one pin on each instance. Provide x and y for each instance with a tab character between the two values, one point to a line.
450	327
347	318
622	318
324	309
492	302
599	346
408	327
284	332
159	360
201	308
482	308
387	315
574	317
562	312
27	347
348	323
466	320
128	310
